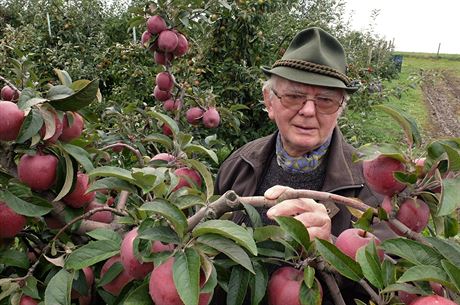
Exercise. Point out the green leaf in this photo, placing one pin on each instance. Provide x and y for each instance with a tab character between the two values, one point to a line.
105	234
166	120
338	260
449	200
309	276
63	76
30	287
425	273
268	232
145	178
254	215
14	258
412	251
26	208
193	148
30	127
408	125
310	296
112	183
161	233
175	216
159	138
79	99
388	273
370	265
372	151
59	92
57	291
296	229
205	173
229	248
139	296
79	154
112	171
449	248
114	270
227	229
258	283
186	275
30	102
453	272
237	286
92	253
68	180
365	221
403	287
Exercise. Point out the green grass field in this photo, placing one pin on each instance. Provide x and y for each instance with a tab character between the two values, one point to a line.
379	126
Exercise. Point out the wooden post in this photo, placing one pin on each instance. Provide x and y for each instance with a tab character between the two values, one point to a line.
439	47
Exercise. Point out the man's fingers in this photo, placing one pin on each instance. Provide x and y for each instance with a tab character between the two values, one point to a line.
275	191
295	207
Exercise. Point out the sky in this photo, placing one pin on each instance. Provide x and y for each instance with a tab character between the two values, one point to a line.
414	25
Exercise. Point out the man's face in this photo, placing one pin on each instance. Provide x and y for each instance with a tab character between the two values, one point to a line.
305	129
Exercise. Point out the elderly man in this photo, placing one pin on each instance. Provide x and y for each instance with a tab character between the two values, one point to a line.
305	94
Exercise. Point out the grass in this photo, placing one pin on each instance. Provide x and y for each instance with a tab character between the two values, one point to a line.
376	126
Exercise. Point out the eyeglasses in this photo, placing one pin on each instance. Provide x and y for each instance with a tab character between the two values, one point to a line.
323	104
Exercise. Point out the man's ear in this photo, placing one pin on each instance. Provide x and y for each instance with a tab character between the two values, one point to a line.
268	103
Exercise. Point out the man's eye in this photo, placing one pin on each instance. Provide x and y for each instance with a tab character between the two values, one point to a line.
294	97
325	100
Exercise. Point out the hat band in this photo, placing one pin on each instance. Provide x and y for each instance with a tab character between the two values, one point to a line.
312	67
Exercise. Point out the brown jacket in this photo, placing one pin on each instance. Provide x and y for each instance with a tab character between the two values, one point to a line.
243	170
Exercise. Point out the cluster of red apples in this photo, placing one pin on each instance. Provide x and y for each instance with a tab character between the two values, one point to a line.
166	44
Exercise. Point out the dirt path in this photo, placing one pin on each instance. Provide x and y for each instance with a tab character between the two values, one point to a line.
441	91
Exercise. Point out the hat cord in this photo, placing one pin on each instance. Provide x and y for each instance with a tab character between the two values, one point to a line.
312	67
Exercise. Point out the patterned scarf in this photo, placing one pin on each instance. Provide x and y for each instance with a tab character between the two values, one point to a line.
302	164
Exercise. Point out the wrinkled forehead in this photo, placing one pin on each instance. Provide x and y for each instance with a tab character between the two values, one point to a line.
296	87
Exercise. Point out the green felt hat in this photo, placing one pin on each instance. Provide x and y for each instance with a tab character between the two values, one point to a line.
314	57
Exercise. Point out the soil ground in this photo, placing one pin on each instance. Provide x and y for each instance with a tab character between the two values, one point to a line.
441	89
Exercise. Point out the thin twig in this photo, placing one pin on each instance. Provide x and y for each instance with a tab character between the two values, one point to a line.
377	299
135	151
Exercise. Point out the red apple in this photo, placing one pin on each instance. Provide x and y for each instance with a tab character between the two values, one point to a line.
163	290
131	264
162	58
194	115
432	300
156	24
379	175
158	247
406	297
437	288
182	45
164	81
350	240
211	118
185	175
145	39
58	127
11	223
164	157
172	105
26	300
102	216
161	95
11	118
414	213
167	41
9	94
386	204
39	171
73	131
77	198
89	277
117	284
166	130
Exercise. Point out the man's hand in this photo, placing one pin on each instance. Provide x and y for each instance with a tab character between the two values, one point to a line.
313	215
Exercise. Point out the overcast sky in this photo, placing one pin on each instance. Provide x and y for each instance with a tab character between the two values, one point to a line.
415	25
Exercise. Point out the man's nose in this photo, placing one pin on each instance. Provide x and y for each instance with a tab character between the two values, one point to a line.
308	108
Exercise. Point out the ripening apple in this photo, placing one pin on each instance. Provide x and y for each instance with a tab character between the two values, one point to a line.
194	115
131	264
39	171
161	95
145	39
164	157
406	297
182	45
172	105
11	118
78	197
164	81
26	300
89	278
9	94
58	127
284	286
187	175
167	41
120	281
433	300
211	118
162	58
102	216
163	290
156	24
11	223
414	213
379	175
74	130
167	131
351	240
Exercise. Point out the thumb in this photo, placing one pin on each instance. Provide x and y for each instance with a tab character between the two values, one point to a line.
275	191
